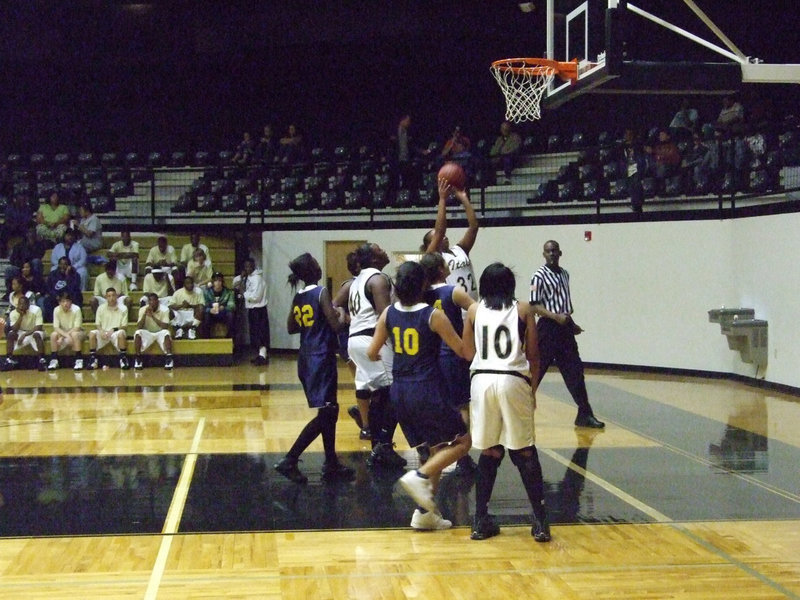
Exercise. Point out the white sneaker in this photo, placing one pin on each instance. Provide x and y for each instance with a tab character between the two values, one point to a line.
53	364
169	364
420	489
192	334
78	364
94	364
137	364
133	287
429	521
179	333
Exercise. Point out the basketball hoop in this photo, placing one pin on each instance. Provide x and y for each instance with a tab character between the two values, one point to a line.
523	82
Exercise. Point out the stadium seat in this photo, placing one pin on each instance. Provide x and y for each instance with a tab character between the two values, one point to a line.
103	204
381	198
87	159
117	174
109	159
155	159
618	188
403	199
15	161
254	202
587	172
313	183
330	199
554	143
359	182
306	200
185	203
568	191
649	187
592	191
232	202
92	174
120	189
132	159
281	201
382	181
178	159
62	160
208	202
356	199
98	187
38	161
224	158
322	168
674	186
201	158
341	154
290	185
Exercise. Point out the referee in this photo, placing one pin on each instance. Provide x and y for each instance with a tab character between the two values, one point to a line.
551	301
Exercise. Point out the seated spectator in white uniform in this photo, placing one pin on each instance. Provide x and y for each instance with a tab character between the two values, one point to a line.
25	329
111	319
67	332
162	255
126	252
159	283
110	279
199	269
188	304
153	326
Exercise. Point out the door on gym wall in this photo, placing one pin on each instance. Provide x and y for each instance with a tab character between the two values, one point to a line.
336	263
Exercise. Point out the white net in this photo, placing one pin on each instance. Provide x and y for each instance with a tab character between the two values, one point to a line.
523	87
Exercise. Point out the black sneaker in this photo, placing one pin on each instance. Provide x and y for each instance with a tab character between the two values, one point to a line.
383	455
365	434
288	468
336	471
43	364
483	528
541	527
355	414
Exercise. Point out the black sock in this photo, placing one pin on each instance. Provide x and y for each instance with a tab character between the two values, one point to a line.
530	470
484	483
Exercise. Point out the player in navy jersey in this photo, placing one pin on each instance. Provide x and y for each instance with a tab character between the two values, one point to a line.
454	302
457	257
315	319
415	331
500	336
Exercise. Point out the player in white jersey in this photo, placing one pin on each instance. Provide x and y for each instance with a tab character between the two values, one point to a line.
367	295
456	257
500	334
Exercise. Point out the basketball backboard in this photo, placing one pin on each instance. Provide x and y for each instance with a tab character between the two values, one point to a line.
631	48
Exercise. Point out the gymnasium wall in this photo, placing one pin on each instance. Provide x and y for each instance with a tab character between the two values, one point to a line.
641	291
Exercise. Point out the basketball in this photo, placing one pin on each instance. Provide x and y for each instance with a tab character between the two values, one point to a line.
454	175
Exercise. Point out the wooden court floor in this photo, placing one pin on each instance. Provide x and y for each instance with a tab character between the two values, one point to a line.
160	485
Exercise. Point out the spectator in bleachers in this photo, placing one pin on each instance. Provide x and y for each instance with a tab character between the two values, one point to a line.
29	250
635	166
26	328
63	279
290	146
505	150
35	283
89	228
406	152
250	285
153	326
267	147
685	121
187	254
158	283
457	146
665	156
126	252
188	304
731	116
699	163
18	219
245	151
76	254
220	304
18	289
199	268
52	220
67	332
111	320
110	279
162	255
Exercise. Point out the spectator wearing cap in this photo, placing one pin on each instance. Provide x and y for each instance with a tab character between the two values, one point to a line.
220	304
159	283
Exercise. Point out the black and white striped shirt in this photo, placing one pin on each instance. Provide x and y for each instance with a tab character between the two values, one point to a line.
551	289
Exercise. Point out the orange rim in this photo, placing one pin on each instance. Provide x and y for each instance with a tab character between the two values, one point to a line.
536	67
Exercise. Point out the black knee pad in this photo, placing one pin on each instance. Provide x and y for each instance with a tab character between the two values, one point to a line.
363	394
519	458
